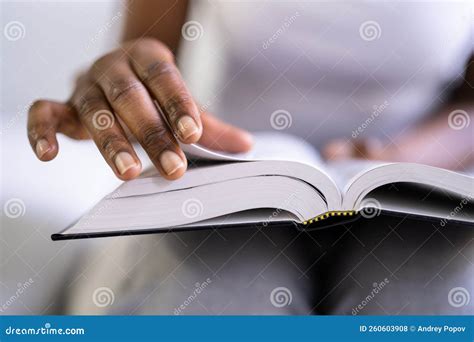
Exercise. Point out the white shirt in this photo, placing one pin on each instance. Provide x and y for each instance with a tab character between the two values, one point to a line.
329	70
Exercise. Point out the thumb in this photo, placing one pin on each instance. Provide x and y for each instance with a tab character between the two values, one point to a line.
219	136
46	119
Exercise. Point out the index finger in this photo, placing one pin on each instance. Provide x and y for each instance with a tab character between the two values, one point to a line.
153	63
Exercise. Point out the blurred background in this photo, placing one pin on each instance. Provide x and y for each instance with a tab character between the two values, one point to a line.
49	42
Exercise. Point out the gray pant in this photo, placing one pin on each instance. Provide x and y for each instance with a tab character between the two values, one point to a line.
383	265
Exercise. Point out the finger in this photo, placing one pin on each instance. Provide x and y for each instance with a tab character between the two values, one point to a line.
368	148
96	115
338	149
130	100
220	136
346	149
154	65
45	119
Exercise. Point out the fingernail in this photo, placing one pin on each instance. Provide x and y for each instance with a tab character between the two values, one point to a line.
187	127
124	162
170	162
42	146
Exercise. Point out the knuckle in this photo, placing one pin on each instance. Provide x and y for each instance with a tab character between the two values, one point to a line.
155	138
101	63
145	44
39	106
147	41
109	144
125	91
156	72
179	103
89	104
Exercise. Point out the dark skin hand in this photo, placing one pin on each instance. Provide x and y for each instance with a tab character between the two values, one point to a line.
113	103
433	142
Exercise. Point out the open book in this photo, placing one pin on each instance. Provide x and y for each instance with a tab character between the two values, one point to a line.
281	180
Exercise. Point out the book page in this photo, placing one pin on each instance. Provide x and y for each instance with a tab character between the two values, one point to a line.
420	199
368	177
343	172
267	146
346	172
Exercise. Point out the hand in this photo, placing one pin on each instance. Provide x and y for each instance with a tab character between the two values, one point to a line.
116	96
341	149
437	142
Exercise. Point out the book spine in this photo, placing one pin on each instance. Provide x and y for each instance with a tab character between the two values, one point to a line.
330	214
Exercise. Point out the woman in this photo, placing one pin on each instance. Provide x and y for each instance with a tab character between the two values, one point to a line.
330	68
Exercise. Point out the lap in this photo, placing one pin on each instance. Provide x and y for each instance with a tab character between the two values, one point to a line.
231	271
398	265
384	265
